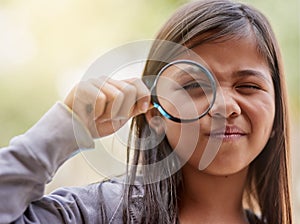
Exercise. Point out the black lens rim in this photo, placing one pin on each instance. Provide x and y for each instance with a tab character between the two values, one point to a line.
153	90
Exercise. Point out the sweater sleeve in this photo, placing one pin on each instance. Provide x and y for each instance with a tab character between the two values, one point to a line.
31	160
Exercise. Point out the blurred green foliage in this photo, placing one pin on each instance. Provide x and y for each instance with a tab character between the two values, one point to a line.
284	18
43	42
56	38
45	46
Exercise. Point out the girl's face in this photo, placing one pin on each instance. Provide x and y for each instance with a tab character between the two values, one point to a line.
241	120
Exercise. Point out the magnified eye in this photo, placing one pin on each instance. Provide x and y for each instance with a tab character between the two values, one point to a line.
192	86
183	91
196	85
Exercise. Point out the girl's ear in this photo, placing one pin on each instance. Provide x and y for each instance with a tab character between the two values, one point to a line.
155	121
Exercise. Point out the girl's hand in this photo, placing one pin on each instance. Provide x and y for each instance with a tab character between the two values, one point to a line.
105	105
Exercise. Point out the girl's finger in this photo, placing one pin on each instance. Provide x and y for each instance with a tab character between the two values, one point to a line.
113	99
130	97
142	96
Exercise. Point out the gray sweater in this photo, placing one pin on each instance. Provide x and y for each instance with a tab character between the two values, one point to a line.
31	160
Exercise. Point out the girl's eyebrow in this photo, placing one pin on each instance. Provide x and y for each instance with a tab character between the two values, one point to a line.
252	72
186	72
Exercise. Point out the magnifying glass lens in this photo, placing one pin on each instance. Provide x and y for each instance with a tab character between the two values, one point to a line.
185	91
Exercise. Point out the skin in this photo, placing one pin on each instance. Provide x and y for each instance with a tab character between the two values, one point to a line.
104	105
244	107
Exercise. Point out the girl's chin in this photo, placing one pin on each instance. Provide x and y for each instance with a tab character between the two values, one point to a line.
223	171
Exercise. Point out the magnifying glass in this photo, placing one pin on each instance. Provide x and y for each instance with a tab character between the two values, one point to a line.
183	90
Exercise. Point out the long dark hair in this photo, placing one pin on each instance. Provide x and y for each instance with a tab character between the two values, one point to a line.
267	189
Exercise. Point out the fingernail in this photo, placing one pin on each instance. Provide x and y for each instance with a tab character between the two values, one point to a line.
145	107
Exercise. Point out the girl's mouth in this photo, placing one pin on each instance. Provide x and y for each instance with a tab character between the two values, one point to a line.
229	133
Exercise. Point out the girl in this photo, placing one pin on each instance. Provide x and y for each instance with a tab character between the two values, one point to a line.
247	181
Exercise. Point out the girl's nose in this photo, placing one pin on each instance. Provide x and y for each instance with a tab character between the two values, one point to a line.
225	105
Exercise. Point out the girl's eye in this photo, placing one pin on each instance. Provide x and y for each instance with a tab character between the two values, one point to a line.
191	86
248	88
196	85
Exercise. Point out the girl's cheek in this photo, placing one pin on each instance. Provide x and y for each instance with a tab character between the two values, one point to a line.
185	140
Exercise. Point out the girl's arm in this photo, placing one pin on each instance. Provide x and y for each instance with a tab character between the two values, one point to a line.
31	160
94	108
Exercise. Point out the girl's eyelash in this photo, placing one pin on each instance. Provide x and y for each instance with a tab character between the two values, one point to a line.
191	85
196	85
249	86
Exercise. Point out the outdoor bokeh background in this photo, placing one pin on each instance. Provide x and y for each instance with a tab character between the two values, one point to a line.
46	46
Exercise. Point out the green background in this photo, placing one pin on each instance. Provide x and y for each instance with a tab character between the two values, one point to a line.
46	46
